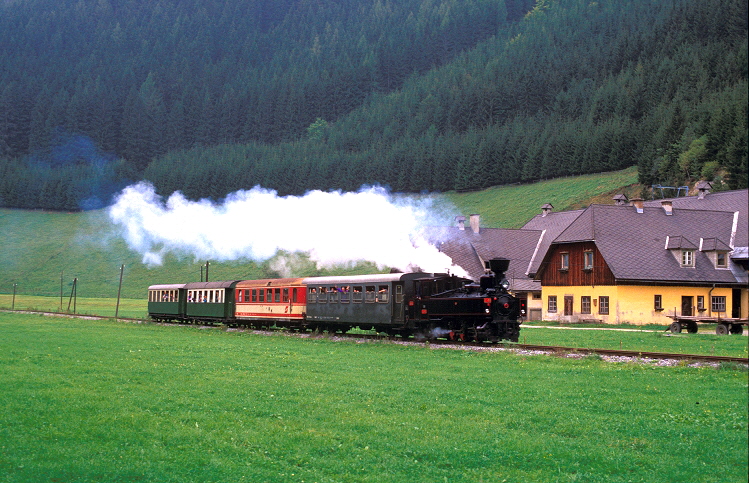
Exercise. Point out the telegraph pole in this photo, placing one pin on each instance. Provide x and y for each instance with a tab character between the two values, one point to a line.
119	290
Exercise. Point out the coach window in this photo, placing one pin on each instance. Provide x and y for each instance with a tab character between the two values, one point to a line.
311	295
345	294
382	293
261	295
358	294
333	294
322	295
268	295
254	295
369	294
240	296
277	297
399	294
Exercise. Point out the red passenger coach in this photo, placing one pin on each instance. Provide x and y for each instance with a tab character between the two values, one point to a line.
270	300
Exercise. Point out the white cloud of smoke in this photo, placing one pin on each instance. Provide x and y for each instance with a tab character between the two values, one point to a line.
334	228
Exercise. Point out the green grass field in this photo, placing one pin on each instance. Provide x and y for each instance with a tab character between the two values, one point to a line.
102	401
649	339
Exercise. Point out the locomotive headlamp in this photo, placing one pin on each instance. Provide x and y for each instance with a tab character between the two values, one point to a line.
505	283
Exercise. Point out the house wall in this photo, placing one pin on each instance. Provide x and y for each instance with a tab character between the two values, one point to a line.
576	274
632	304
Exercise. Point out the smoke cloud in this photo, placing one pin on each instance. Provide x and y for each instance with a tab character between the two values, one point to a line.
334	228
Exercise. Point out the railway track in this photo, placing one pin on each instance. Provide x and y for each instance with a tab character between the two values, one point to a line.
575	350
554	350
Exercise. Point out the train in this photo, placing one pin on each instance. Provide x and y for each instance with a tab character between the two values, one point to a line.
415	305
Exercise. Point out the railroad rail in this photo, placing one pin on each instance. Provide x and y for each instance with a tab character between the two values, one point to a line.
472	344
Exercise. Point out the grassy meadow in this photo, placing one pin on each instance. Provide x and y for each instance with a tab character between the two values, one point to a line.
646	339
87	400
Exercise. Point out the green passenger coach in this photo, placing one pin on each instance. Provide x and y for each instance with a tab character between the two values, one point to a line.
166	302
360	300
210	301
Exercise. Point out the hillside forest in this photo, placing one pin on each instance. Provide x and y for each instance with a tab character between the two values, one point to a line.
209	97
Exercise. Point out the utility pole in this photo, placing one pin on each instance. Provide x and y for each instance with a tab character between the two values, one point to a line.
119	290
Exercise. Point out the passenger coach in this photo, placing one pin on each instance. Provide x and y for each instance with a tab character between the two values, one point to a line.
366	301
265	302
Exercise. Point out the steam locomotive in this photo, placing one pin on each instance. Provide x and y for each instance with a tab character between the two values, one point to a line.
420	305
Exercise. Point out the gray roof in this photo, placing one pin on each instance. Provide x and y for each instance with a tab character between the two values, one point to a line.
551	225
733	201
470	250
642	246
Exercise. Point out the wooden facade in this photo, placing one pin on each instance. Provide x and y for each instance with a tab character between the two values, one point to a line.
576	273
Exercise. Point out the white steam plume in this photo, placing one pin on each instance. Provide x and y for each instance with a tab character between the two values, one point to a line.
334	228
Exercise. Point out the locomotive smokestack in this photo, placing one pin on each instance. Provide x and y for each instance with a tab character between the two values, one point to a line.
498	267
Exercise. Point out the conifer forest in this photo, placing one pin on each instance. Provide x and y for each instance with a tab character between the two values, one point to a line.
210	97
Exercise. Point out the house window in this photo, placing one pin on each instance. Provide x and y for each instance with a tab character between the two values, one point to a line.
536	295
719	303
687	258
565	261
588	260
552	303
658	302
585	308
700	302
721	261
603	305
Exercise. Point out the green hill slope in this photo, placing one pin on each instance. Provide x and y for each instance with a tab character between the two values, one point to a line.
39	247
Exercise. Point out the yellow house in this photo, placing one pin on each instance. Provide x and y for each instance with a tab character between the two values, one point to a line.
642	263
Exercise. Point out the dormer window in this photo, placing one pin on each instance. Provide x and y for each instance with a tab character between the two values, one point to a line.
687	258
721	260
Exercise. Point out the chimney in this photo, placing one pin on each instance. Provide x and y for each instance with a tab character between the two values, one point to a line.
546	209
461	222
638	204
621	199
668	207
704	189
474	223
